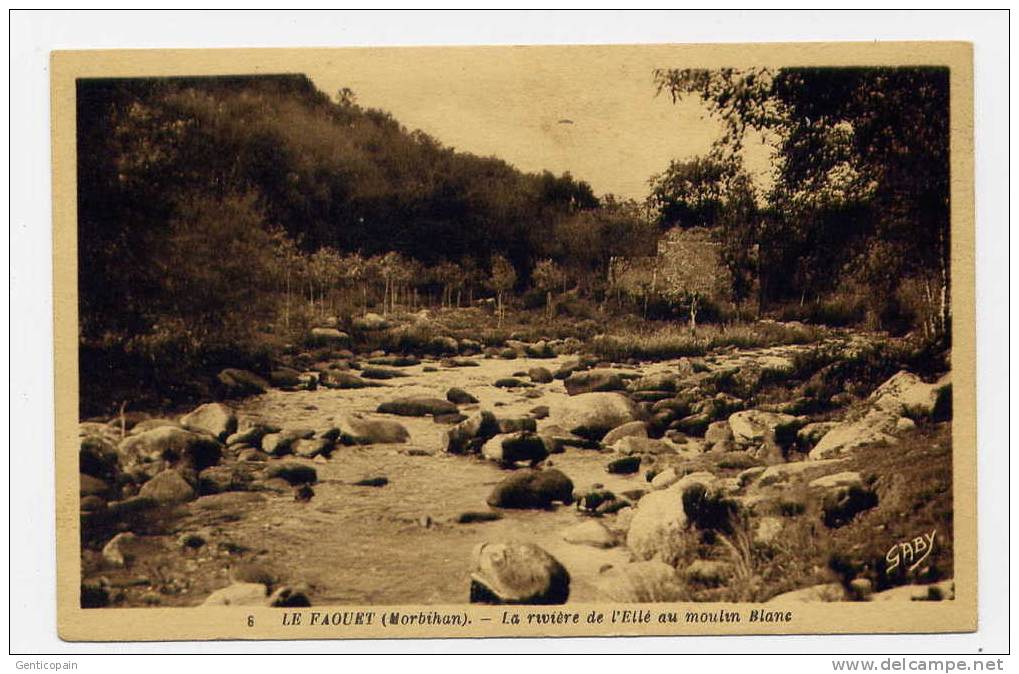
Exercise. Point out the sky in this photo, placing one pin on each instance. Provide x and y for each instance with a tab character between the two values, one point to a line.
592	112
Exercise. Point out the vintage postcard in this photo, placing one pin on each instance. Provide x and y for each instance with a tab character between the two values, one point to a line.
514	341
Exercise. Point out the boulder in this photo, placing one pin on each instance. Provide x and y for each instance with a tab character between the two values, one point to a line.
459	362
122	549
840	505
311	447
631	428
417	407
905	394
753	426
328	337
168	487
97	457
626	465
665	381
381	373
511	382
657	525
943	591
289	597
151	452
540	375
632	444
532	489
444	344
811	434
591	501
826	592
216	419
238	594
285	377
338	379
251	435
370	321
693	424
237	383
362	431
904	425
515	425
592	381
468	436
279	444
640	582
875	428
708	572
293	473
458	396
718	434
252	455
591	532
509	448
665	479
847	478
592	415
516	573
93	486
220	479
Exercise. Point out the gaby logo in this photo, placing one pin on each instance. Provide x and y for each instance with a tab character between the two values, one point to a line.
912	552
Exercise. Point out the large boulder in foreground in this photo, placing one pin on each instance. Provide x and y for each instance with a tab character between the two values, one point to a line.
592	415
237	383
661	517
417	407
216	419
640	582
657	524
532	489
517	573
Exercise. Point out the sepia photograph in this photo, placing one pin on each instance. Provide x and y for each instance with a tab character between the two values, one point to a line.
646	328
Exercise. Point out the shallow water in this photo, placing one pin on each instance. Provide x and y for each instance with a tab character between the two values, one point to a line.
368	545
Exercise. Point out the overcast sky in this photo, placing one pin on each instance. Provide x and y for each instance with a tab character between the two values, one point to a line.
593	113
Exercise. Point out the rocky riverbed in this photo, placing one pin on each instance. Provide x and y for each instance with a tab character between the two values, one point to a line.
529	473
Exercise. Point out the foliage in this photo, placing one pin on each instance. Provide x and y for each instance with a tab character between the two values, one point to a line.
862	184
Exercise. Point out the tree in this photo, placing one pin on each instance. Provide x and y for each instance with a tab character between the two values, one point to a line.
503	278
589	241
688	193
547	276
870	141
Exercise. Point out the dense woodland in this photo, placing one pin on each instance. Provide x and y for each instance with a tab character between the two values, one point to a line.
220	218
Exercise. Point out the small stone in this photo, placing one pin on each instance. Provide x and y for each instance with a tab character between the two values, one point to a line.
378	481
